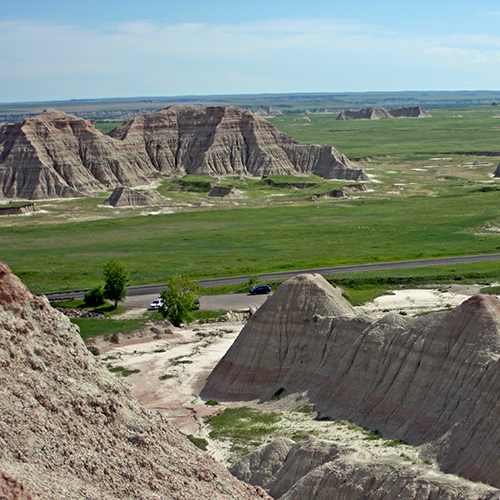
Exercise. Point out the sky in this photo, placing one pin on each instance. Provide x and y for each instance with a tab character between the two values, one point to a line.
72	49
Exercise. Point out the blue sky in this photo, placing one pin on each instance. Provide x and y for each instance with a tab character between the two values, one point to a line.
67	49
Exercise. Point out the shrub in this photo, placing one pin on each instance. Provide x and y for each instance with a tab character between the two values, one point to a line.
200	443
94	297
93	349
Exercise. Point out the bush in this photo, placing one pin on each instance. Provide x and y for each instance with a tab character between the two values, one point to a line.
94	297
93	349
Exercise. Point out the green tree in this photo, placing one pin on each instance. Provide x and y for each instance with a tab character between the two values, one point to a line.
179	299
117	277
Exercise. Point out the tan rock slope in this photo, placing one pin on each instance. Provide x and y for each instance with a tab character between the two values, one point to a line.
57	155
325	470
70	430
432	379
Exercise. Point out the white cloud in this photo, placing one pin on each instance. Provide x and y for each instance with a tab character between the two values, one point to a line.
52	61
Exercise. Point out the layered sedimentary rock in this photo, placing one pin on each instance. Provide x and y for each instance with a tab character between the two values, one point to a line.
70	430
325	470
126	197
57	155
432	379
409	112
228	140
374	113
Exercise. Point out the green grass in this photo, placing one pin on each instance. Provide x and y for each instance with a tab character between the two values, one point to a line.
92	327
442	133
441	208
122	371
243	425
249	241
495	290
106	127
200	443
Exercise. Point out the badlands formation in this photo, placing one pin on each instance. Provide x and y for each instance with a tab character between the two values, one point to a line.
376	113
70	430
57	155
432	381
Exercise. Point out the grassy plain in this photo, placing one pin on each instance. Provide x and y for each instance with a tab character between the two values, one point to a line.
427	199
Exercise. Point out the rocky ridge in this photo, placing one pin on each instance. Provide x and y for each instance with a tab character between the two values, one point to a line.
70	430
325	470
428	380
57	155
376	113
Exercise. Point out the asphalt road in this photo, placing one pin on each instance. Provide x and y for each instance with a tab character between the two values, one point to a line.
145	294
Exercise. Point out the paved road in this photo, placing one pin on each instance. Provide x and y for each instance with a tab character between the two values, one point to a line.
146	293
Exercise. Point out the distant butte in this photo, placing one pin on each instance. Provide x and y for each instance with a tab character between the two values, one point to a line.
57	155
377	113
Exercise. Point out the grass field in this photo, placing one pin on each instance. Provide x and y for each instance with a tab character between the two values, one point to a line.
248	241
428	200
448	131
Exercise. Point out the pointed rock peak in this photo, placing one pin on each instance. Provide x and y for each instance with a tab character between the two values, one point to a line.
477	322
311	293
52	113
12	291
481	305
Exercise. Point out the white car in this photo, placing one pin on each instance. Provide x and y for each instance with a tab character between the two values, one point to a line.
156	304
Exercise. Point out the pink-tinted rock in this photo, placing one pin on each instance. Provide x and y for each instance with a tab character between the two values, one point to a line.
57	155
432	379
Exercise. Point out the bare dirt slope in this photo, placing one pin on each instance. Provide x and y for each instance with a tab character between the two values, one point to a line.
70	430
431	379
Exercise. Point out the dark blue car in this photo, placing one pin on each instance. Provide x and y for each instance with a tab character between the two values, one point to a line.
261	289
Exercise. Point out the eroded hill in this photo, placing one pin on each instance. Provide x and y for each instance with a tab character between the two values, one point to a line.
57	155
432	379
70	430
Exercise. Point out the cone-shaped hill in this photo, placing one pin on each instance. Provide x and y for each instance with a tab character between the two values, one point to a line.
431	379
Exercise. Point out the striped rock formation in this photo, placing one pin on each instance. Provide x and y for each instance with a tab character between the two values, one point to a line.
433	379
57	155
376	113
